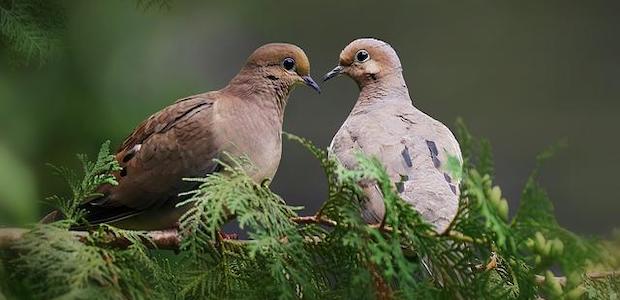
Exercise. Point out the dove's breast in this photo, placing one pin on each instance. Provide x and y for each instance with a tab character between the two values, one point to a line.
243	132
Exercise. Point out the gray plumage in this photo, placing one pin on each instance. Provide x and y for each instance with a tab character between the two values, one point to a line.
384	123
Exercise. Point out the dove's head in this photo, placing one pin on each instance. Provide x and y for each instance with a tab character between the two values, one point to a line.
283	64
366	60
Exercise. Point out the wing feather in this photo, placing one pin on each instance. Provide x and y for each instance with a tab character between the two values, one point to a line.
155	148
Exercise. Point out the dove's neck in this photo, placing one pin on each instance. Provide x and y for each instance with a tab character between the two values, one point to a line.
388	88
254	86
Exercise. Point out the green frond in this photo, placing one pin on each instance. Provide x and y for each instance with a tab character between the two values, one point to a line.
278	244
30	29
33	30
54	263
482	255
536	216
487	202
94	174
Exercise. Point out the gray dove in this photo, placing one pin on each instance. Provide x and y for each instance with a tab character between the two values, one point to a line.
182	140
412	146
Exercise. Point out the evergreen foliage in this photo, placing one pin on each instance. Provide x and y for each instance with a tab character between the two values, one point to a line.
333	255
94	174
31	30
53	263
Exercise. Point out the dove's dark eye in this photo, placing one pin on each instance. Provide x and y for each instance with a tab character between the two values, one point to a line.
362	56
288	63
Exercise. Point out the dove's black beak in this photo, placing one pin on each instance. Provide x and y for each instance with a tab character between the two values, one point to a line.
333	73
311	83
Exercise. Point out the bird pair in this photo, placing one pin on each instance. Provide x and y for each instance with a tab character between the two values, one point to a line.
245	119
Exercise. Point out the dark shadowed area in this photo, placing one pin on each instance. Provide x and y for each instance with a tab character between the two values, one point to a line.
523	74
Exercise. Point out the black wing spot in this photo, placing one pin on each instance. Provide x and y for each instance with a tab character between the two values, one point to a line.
128	157
436	162
453	188
447	177
407	157
434	153
432	147
271	77
130	154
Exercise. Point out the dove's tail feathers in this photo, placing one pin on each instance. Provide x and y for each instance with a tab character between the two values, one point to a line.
57	215
93	215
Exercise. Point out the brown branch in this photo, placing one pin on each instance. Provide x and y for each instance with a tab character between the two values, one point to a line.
159	239
171	240
314	220
451	234
492	264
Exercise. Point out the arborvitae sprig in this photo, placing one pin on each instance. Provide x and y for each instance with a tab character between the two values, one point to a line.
374	249
541	242
483	254
277	255
55	263
84	186
30	29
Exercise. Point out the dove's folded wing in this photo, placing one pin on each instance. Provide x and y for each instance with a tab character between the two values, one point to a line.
155	157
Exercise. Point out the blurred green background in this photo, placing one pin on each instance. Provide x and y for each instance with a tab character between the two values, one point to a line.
524	74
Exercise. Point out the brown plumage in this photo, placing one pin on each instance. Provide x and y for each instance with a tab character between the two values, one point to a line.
243	119
413	147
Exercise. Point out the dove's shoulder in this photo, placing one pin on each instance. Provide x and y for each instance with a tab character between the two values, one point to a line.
166	118
432	131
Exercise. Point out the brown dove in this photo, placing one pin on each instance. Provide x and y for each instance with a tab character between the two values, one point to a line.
412	146
182	140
